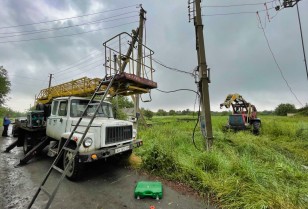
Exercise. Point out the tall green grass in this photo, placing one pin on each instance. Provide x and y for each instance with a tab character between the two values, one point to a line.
241	170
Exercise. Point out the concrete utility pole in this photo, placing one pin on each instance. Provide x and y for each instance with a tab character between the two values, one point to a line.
49	85
50	77
205	118
139	60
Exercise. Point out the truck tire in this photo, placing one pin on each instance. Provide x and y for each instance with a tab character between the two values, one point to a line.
14	132
27	145
256	127
75	169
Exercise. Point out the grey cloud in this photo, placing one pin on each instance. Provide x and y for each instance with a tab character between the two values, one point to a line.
235	48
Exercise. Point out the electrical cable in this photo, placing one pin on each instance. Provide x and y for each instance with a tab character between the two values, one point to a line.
81	72
74	34
301	32
237	13
23	33
82	67
85	59
23	84
194	131
171	68
278	67
198	118
19	76
77	66
239	5
35	23
81	62
178	90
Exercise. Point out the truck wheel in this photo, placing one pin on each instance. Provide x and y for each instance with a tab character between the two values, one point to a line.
14	133
27	145
256	127
75	168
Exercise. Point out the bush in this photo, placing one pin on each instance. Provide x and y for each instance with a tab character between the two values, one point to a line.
283	109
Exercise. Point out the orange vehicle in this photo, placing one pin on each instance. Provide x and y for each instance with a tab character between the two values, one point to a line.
244	114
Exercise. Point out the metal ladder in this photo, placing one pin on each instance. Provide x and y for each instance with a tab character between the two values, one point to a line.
51	195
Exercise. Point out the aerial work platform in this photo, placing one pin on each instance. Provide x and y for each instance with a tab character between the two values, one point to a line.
133	73
128	84
125	84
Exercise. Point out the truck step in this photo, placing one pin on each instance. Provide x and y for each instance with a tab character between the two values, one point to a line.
45	191
100	92
78	132
69	149
52	152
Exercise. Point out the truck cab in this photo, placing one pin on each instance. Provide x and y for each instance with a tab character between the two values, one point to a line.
104	133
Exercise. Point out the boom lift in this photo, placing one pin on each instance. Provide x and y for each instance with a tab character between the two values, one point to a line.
244	114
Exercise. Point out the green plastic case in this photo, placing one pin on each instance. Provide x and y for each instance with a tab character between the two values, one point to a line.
149	189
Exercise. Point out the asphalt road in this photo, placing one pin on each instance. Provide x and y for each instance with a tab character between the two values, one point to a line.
105	185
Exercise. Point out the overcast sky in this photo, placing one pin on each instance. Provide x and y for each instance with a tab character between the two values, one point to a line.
236	50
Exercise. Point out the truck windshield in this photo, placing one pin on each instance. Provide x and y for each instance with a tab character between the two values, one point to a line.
78	107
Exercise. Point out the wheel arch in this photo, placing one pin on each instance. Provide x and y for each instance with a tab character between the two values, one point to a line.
255	120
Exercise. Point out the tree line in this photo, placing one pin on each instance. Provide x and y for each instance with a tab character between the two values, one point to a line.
281	110
123	102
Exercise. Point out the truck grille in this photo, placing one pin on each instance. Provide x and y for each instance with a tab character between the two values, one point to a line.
118	134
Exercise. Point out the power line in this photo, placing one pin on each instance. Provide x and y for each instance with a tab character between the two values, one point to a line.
30	32
74	34
24	84
273	55
167	92
303	46
171	68
48	21
197	121
238	13
80	60
19	76
240	5
81	72
78	64
81	67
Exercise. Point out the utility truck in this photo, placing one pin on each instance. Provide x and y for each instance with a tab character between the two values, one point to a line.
52	124
77	123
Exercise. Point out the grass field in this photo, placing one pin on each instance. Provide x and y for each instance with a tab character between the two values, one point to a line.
241	170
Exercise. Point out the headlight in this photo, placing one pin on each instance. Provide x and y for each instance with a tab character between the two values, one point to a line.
134	133
87	142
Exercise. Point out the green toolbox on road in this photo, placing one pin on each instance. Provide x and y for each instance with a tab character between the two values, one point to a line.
149	189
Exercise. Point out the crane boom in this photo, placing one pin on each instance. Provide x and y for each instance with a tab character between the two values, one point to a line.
232	98
80	87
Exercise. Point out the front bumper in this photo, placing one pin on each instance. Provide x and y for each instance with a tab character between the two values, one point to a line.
108	151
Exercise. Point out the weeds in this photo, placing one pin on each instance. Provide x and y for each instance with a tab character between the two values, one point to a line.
241	170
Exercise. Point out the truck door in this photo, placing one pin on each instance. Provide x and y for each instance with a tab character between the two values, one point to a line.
57	121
